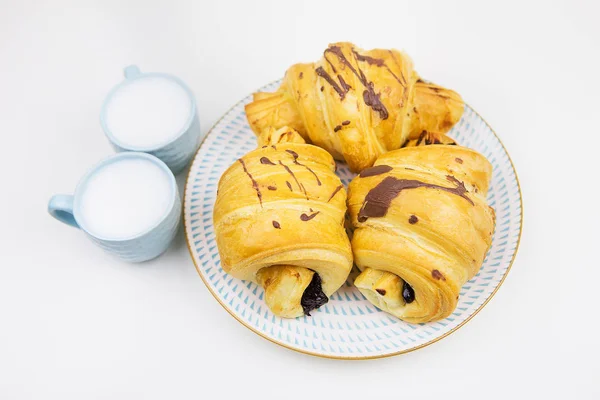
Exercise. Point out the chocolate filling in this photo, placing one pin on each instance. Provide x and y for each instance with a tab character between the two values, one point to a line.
408	293
313	296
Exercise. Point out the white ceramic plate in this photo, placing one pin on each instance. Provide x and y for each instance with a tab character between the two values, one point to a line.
348	326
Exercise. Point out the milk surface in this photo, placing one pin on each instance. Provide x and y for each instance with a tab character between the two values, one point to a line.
148	112
124	199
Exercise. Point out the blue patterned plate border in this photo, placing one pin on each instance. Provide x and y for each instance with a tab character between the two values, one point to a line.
348	327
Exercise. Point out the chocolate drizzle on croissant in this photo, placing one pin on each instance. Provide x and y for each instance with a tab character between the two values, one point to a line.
307	256
300	186
432	242
380	63
295	155
337	189
254	183
371	98
374	171
342	92
265	160
376	92
379	199
306	218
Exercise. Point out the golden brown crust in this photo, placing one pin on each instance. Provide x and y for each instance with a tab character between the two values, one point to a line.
273	110
279	216
356	104
273	136
426	138
434	233
284	286
435	109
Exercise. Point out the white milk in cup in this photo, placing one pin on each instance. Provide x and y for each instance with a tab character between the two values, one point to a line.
124	199
148	112
153	113
128	204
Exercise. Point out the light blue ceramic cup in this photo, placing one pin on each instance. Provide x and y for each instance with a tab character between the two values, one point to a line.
176	152
142	247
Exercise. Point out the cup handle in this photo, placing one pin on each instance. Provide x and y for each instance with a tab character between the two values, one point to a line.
131	71
60	207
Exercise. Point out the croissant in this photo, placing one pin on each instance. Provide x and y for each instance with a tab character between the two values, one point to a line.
422	226
356	104
279	222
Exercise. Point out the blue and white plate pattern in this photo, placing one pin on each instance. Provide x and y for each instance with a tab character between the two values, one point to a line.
348	326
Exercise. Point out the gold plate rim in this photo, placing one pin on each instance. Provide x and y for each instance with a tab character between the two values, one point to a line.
187	240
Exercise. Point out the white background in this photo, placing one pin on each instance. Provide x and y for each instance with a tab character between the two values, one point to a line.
77	324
